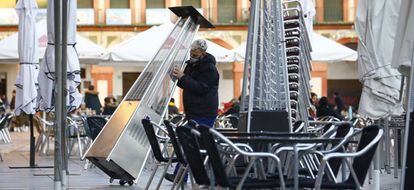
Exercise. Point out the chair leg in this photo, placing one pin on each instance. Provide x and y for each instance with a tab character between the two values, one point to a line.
177	176
151	177
1	157
179	184
8	134
163	173
80	146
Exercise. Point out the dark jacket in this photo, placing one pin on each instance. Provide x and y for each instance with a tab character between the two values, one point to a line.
327	111
92	101
109	109
200	88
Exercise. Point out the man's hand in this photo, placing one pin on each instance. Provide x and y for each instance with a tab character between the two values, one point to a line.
177	73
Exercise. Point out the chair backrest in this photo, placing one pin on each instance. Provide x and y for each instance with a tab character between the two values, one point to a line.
341	132
152	138
94	126
233	119
361	163
176	119
298	126
192	154
174	142
209	143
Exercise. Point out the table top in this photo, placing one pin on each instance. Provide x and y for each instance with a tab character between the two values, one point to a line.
265	133
285	140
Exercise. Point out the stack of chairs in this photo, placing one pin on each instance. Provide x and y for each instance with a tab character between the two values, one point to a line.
298	58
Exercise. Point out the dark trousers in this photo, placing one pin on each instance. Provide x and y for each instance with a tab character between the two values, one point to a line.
209	121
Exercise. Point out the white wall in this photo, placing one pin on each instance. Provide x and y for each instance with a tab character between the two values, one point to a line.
225	85
343	70
12	71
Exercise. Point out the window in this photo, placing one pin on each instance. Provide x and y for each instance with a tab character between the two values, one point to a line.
119	4
155	4
86	4
7	3
333	10
42	4
226	11
194	3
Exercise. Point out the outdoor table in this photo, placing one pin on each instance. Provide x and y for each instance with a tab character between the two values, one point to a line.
266	133
294	141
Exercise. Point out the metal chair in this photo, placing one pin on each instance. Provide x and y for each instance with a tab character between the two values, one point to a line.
154	141
370	137
207	137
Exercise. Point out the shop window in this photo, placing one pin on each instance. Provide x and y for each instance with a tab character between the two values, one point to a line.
85	4
155	4
333	10
119	4
194	3
226	11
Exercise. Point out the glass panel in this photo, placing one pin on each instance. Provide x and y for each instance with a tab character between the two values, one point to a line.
120	4
226	11
85	3
194	3
155	4
333	10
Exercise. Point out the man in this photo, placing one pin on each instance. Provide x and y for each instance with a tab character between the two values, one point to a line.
199	82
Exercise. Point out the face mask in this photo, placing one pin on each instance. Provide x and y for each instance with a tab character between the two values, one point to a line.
193	60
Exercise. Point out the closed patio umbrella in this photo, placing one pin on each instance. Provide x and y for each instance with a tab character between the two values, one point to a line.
26	83
47	67
376	27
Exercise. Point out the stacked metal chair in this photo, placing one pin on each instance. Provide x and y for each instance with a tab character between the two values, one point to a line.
277	67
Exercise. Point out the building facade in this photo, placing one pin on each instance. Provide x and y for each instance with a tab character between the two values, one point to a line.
109	22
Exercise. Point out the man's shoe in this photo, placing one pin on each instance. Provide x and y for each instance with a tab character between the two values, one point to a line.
169	177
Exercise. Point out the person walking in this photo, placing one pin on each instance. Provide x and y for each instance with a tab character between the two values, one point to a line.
200	82
92	100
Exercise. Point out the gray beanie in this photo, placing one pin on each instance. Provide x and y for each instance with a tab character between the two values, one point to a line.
199	44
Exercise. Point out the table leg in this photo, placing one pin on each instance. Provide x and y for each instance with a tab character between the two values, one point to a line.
396	156
296	167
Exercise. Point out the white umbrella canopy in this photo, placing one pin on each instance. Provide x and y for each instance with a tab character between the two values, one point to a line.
404	39
47	67
26	83
88	51
323	49
376	27
142	47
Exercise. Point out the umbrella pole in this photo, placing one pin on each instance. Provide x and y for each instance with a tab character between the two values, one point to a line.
32	142
58	172
63	92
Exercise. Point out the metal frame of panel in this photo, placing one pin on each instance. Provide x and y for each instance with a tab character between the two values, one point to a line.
121	148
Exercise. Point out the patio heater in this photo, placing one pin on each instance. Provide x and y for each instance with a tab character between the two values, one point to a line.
276	89
121	148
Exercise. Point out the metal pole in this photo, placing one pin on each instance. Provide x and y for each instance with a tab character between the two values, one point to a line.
63	91
57	95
